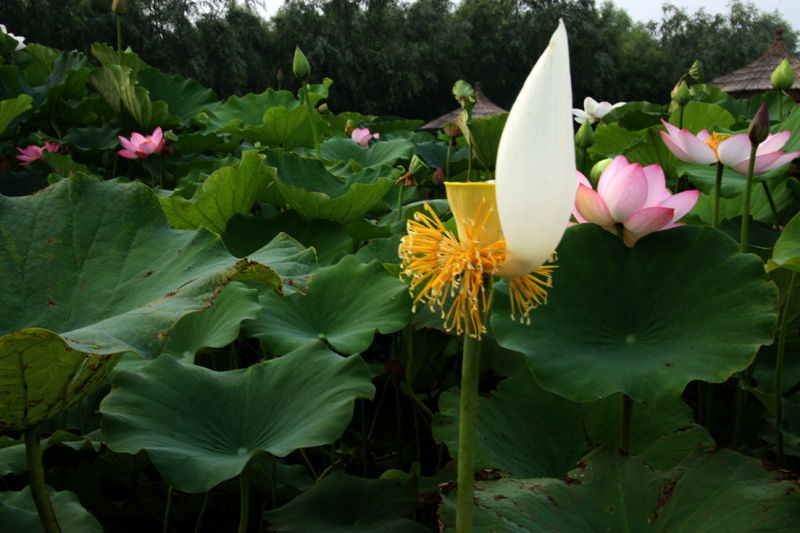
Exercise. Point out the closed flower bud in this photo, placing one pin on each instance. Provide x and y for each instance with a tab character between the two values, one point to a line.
323	109
438	176
452	130
759	127
585	135
783	76
300	66
597	170
118	7
280	74
682	95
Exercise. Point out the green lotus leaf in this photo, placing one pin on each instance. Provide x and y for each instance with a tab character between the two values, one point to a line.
698	116
287	129
682	305
329	239
185	98
18	513
704	177
300	400
248	109
106	54
315	194
378	154
115	84
644	146
228	191
12	451
786	253
11	109
722	491
484	135
92	270
92	138
345	305
344	504
730	208
528	432
215	327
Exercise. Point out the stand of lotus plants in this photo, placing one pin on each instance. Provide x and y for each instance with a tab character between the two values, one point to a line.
258	314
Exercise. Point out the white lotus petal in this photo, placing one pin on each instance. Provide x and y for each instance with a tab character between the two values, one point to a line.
535	174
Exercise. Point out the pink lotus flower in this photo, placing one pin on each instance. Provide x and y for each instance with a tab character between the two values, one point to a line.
691	148
732	151
635	197
33	152
362	136
735	153
593	111
140	146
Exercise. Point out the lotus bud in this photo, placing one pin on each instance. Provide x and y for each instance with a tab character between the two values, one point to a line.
438	176
682	95
759	127
452	130
696	71
323	109
597	170
585	135
783	76
280	74
300	66
118	7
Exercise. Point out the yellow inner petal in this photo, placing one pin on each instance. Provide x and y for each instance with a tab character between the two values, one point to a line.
451	275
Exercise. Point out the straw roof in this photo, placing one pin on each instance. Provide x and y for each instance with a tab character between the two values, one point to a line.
483	108
755	77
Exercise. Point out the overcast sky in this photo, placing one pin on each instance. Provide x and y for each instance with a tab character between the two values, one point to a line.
646	10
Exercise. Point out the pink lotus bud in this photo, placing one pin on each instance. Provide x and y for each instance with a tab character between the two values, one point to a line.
759	127
118	7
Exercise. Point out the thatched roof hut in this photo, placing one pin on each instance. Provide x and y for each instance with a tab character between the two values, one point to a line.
483	108
755	77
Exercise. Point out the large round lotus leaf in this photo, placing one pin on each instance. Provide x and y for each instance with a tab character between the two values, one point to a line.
681	305
18	513
343	504
90	270
201	427
528	432
345	305
723	491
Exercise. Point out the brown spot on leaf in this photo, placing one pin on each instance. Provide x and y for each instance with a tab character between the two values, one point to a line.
670	364
50	302
149	273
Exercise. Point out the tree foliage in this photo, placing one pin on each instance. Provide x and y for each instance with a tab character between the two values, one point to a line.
390	57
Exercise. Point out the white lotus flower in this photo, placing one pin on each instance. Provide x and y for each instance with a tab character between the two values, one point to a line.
593	111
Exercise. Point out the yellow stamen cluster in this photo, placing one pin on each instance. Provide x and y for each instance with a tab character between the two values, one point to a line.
714	139
442	270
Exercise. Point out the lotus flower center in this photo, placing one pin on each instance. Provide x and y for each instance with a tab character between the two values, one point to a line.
630	338
714	140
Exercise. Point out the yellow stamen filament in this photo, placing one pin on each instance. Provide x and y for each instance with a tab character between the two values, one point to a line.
714	139
442	270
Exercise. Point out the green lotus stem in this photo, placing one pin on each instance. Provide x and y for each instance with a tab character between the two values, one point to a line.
780	105
311	118
275	483
467	433
119	41
469	162
717	189
447	161
746	201
244	484
625	423
407	334
377	411
775	217
165	526
779	374
33	455
364	440
400	204
202	512
309	465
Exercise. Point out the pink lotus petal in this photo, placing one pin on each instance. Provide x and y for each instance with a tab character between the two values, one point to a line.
591	207
649	219
774	143
734	150
681	203
765	164
128	154
626	192
656	185
616	165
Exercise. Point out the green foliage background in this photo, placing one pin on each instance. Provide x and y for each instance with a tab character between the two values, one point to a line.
401	58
